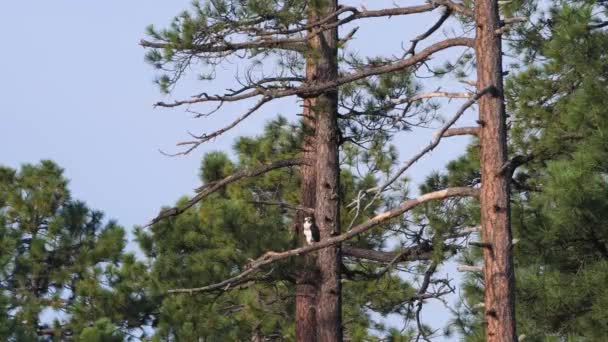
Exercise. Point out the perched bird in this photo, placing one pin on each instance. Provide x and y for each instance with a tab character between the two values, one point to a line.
311	232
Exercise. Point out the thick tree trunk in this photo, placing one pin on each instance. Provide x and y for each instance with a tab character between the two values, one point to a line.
327	215
307	279
494	196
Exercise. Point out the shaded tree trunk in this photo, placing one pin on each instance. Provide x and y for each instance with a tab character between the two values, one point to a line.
322	66
494	196
306	287
327	215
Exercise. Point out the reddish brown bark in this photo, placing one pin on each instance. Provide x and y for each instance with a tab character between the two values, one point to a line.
324	53
494	196
306	288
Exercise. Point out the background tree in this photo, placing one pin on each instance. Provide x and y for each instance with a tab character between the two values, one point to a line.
59	260
563	193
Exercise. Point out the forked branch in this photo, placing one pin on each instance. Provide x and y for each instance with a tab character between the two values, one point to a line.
434	142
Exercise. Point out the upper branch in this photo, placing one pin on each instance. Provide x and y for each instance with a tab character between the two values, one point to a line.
206	137
271	257
309	90
434	142
292	44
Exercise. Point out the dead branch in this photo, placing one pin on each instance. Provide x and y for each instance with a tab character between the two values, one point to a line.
271	257
434	142
421	252
461	131
427	33
206	137
212	187
467	268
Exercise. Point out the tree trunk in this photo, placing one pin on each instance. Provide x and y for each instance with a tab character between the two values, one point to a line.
307	278
494	196
327	214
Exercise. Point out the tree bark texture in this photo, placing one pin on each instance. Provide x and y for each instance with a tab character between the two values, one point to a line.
324	55
494	195
307	277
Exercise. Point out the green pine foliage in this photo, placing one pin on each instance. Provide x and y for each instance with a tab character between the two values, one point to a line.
217	238
559	121
62	268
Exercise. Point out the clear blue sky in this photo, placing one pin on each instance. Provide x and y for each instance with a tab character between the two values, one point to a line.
76	90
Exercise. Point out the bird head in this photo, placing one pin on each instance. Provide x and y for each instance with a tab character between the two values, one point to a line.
308	219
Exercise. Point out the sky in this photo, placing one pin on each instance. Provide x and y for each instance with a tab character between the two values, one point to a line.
76	90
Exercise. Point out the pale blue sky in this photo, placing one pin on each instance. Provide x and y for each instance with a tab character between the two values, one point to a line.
76	90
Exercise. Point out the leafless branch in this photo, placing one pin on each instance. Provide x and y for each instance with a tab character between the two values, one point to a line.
421	252
467	268
461	131
427	33
309	90
434	142
206	137
271	257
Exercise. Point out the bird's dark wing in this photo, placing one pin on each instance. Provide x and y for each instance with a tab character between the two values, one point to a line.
315	233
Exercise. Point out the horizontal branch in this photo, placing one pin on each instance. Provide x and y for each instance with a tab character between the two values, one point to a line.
422	252
310	90
271	257
212	187
445	94
467	268
291	44
597	25
461	131
329	21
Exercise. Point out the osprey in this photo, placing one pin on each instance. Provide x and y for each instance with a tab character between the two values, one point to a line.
311	232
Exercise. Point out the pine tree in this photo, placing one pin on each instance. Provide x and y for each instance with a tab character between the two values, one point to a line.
562	190
60	260
557	108
347	100
241	221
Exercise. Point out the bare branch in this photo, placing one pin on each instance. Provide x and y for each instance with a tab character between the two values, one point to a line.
212	187
428	32
434	142
421	252
310	90
598	25
206	137
444	94
271	257
292	44
461	131
467	268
